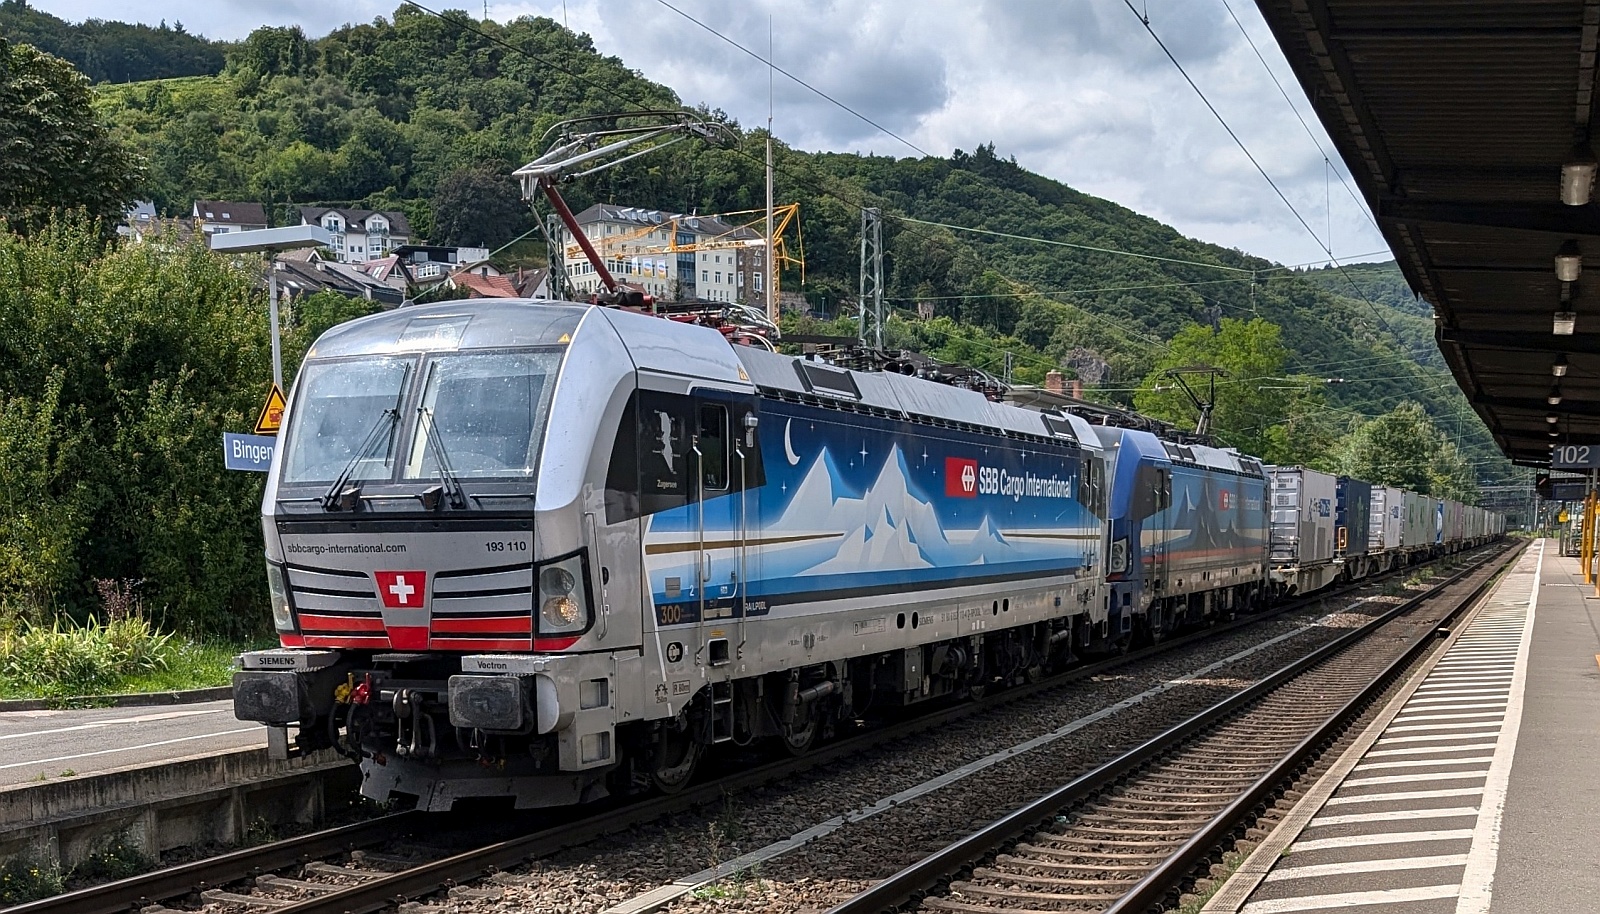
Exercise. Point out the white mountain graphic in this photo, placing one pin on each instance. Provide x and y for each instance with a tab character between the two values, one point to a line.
885	528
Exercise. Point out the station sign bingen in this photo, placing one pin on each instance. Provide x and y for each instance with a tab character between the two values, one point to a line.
1575	457
247	452
254	452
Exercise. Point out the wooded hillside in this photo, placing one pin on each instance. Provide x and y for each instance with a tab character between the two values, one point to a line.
426	114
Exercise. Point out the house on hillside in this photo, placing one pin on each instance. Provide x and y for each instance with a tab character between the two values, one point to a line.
306	273
480	285
214	217
429	264
360	235
534	283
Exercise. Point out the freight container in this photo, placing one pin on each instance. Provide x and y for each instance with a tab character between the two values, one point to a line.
1352	528
1419	533
1387	520
1302	528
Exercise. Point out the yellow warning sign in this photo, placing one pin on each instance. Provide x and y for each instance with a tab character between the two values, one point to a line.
1561	518
271	418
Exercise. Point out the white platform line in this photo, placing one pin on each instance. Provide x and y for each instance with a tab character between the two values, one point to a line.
1349	899
1420	727
1399	837
1496	706
1489	718
1406	795
1426	750
1490	733
1398	815
165	742
1315	870
1420	777
1425	762
1477	883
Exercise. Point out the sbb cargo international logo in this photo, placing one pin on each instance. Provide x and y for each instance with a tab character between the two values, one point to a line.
960	477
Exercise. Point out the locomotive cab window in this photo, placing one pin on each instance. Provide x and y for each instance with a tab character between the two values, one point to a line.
347	416
482	414
713	444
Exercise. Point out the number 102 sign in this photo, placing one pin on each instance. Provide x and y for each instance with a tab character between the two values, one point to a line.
1575	457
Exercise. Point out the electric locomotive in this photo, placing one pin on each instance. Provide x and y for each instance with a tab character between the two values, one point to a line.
547	552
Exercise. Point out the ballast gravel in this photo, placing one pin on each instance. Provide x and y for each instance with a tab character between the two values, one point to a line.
593	878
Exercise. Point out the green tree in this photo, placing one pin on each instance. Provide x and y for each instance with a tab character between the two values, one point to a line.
119	370
1404	448
56	155
273	51
479	206
1253	395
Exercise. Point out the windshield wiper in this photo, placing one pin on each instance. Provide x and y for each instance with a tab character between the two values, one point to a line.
339	497
447	473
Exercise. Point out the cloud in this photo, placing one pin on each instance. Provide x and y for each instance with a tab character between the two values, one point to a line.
1075	90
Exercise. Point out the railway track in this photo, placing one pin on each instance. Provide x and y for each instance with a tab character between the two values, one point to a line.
1124	837
335	871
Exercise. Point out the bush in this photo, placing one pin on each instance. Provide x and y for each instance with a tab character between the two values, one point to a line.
24	880
66	659
120	367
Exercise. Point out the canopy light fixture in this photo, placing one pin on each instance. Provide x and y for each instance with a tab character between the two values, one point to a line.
1554	399
1554	433
1569	262
1552	418
1566	322
1559	366
1577	176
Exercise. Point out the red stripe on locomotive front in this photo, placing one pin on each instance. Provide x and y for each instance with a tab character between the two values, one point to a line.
493	624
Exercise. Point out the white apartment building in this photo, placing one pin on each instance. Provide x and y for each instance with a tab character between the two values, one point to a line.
360	235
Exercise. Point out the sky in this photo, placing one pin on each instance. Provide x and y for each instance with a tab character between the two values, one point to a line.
1077	90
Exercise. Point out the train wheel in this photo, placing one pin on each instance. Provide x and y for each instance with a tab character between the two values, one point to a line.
676	755
797	741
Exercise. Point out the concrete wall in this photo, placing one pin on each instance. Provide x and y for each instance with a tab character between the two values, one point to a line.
190	801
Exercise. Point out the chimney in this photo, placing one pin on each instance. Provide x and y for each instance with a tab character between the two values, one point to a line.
1053	382
1075	389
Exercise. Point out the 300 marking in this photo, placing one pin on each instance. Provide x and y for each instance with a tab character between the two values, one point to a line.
506	546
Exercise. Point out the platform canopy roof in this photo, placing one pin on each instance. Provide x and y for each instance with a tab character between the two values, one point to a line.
1461	120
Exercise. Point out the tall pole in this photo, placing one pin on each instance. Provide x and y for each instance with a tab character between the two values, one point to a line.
272	320
770	267
870	300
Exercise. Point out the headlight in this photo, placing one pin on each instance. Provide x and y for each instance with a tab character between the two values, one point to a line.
278	594
1118	562
563	604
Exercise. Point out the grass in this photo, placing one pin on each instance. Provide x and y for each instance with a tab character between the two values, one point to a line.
1230	862
24	880
67	661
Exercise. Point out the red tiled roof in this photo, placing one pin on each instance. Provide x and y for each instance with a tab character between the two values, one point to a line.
486	286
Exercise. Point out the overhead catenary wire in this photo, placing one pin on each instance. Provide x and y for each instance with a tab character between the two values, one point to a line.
1145	21
1326	159
771	66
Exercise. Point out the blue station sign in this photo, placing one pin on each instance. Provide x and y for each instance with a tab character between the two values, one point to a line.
247	452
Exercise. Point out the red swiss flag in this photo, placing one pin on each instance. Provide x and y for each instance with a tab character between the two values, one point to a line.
1225	500
402	589
960	477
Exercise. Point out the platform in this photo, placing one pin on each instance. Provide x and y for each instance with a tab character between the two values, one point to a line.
1477	789
46	745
